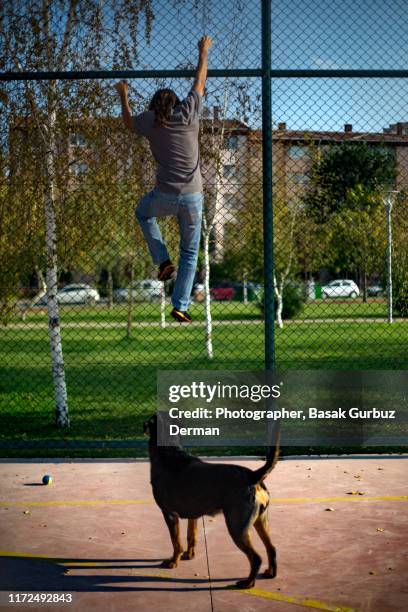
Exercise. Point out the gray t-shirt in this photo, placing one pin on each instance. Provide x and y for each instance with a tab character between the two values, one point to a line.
175	146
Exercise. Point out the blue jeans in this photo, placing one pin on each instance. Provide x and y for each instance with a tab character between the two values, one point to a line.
188	208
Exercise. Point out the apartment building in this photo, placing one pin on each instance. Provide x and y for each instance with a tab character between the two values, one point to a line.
292	158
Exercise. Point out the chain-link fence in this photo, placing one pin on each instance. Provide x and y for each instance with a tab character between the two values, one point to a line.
84	320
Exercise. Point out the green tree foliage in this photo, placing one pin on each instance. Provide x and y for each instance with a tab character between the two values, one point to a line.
400	254
356	235
66	35
339	170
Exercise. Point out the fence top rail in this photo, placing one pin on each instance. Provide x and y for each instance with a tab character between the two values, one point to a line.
152	74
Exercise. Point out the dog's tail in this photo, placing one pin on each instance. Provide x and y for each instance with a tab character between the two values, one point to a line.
271	457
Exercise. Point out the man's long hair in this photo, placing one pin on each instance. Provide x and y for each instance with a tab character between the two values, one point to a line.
162	103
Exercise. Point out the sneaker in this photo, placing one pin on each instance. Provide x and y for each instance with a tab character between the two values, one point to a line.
166	270
181	315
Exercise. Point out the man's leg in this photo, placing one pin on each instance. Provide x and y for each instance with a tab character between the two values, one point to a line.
150	207
189	219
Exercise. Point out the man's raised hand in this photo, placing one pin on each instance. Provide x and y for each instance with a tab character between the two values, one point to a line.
205	43
122	88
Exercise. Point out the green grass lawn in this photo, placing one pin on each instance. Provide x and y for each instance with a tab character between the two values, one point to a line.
112	381
345	308
221	311
146	312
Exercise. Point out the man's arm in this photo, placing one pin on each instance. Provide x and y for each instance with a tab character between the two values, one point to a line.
122	89
201	73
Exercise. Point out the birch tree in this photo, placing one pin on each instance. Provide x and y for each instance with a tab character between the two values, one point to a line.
213	135
32	39
213	149
286	224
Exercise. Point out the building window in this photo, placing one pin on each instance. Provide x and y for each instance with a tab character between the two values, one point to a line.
297	152
79	168
77	140
228	171
232	143
299	178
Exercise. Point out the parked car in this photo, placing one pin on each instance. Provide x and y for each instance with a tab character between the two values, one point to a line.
75	294
375	291
222	294
340	288
148	290
227	291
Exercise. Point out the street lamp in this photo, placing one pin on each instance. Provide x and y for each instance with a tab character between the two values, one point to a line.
389	199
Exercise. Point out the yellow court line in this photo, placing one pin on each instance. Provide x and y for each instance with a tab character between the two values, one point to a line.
276	500
297	601
97	502
345	498
274	595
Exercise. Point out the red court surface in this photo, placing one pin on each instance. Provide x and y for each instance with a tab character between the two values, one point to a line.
340	526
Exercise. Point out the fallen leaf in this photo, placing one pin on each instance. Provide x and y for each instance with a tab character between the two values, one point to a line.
380	529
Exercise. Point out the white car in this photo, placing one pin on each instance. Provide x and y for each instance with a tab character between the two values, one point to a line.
148	290
78	294
74	294
340	288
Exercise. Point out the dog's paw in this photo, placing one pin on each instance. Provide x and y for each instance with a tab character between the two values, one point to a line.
244	584
270	572
187	555
169	563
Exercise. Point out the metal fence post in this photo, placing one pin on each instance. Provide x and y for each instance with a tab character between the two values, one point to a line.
267	186
388	201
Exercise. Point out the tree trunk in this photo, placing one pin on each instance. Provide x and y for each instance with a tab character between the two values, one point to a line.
109	287
278	291
245	287
279	307
207	295
162	306
54	329
364	286
130	302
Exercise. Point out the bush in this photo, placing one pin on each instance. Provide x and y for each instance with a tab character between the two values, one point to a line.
294	299
400	301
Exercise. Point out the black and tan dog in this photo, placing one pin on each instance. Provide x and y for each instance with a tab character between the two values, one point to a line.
184	486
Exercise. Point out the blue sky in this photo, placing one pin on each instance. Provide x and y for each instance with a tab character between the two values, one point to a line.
369	34
313	34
